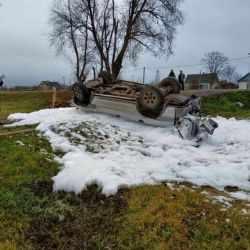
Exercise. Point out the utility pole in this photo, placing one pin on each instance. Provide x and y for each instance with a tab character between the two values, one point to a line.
144	72
249	64
157	77
248	87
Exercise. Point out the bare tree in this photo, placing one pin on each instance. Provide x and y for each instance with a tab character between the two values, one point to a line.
125	28
215	62
229	73
67	37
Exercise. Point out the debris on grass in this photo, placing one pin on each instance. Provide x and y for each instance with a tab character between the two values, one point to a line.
241	105
20	143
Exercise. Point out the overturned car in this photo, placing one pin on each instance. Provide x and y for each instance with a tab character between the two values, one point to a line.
158	105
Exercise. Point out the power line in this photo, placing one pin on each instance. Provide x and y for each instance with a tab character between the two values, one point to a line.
183	66
239	58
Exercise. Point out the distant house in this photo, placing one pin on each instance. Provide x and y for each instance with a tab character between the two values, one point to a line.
47	85
244	82
202	81
21	88
228	85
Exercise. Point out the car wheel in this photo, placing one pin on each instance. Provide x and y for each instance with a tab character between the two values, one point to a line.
150	101
107	79
81	94
171	85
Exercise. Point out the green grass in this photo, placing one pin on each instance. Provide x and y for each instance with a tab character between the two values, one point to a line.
32	216
13	102
159	218
225	105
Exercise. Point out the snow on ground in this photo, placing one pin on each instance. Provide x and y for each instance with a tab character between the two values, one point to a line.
241	195
113	152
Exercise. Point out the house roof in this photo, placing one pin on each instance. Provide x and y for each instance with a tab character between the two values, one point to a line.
245	78
202	78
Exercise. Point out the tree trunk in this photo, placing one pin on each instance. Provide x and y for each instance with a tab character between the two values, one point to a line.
116	68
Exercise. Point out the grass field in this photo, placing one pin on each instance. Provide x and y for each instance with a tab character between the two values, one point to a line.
13	102
32	216
225	105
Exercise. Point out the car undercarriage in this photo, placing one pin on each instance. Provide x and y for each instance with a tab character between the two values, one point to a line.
156	105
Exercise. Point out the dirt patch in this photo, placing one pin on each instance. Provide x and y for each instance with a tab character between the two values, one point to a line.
42	188
68	221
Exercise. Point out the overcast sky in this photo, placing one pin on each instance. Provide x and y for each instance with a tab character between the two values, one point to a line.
27	59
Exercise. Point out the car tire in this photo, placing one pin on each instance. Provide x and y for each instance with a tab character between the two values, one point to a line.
150	101
173	85
107	78
81	94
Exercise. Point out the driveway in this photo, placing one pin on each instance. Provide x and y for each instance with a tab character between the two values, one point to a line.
206	92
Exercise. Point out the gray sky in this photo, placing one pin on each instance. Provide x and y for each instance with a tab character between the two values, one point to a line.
26	59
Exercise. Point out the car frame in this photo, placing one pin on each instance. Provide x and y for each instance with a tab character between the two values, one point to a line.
157	105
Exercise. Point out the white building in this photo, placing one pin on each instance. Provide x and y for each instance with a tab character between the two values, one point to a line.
244	82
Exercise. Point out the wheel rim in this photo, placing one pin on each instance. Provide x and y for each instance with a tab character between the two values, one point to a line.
150	102
150	99
168	89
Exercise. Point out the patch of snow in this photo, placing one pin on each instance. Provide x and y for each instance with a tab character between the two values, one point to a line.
244	212
240	104
20	143
223	209
43	151
113	152
170	185
205	192
224	200
240	195
61	217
